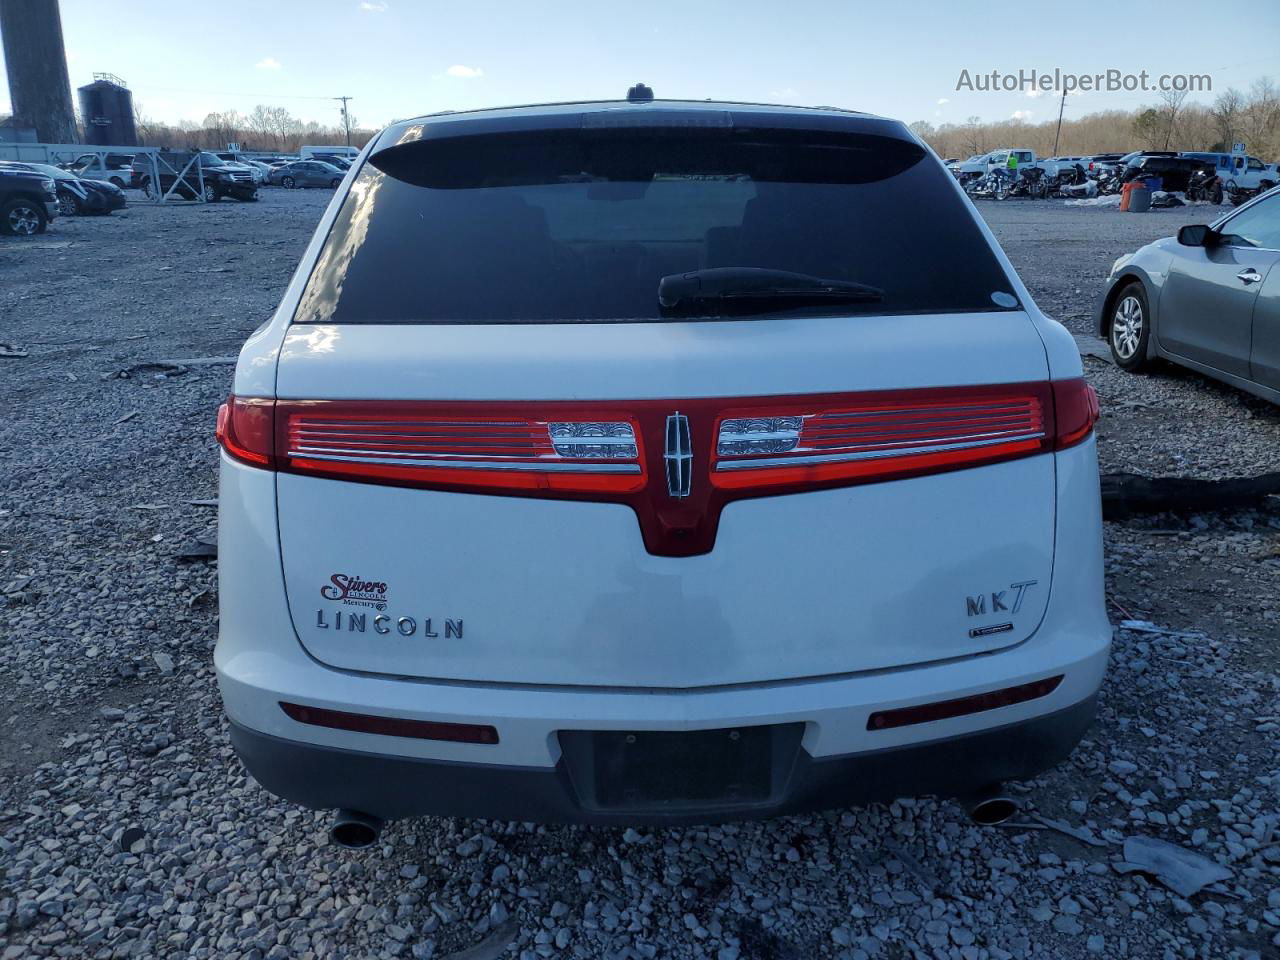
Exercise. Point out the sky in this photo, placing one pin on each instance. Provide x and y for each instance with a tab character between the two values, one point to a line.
402	58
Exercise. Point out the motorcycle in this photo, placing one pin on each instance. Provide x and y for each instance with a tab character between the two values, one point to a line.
993	184
1109	183
1060	185
1205	185
1239	195
1030	183
999	184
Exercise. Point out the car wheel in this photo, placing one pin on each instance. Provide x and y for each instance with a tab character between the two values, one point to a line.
333	184
1216	196
288	183
22	218
211	194
1130	328
146	188
69	205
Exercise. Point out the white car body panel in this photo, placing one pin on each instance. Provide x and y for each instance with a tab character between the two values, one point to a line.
260	661
563	592
662	360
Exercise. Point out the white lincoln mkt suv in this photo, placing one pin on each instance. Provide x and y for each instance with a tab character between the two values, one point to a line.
654	462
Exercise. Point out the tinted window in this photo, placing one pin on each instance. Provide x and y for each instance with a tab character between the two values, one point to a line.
1259	226
558	227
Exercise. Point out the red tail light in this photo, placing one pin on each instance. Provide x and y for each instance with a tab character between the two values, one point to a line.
391	726
1075	405
478	445
621	452
879	436
246	430
946	709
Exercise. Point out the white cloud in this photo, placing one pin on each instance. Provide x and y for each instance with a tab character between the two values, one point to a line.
1021	115
466	73
942	100
268	63
374	7
784	94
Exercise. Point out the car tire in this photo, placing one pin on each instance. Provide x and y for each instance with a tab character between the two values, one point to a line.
146	188
1216	197
69	205
1129	330
211	194
288	183
22	218
333	184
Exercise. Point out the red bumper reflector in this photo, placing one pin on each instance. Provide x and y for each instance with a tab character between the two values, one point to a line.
391	726
946	709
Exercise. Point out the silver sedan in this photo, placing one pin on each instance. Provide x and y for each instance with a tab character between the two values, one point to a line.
1208	299
306	173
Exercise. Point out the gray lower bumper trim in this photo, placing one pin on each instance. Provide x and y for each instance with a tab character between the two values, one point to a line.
396	787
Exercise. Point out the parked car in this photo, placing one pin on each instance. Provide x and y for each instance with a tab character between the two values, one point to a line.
235	160
28	201
306	173
1174	172
1058	166
487	551
1099	164
310	152
967	169
76	197
220	179
111	168
340	162
1208	299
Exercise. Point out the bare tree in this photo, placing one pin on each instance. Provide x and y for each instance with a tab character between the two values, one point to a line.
1226	115
1260	119
1172	100
263	125
222	128
973	136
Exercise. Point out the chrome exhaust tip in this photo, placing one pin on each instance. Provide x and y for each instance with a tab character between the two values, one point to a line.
991	808
355	830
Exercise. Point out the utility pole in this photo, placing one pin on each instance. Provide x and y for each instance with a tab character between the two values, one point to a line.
346	117
1061	107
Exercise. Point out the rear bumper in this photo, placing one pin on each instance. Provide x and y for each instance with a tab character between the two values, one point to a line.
393	787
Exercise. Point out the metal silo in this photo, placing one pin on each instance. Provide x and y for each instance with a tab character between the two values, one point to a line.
106	107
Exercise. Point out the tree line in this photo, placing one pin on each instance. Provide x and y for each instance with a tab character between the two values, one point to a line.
1251	118
265	128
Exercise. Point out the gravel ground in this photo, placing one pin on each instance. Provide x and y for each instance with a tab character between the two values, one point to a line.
127	828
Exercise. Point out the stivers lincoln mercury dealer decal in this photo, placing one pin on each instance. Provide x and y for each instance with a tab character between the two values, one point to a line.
352	590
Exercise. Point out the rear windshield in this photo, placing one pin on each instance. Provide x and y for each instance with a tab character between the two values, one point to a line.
566	227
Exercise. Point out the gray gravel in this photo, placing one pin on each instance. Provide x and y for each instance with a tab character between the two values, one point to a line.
127	829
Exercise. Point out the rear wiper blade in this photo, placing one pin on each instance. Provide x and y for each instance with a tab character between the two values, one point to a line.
758	283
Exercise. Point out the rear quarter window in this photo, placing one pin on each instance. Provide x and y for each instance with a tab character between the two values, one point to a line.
566	228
